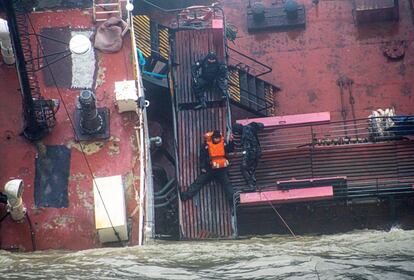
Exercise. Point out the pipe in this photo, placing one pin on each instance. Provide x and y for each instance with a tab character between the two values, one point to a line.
13	190
5	42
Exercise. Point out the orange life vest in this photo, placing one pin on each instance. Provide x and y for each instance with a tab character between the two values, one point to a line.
216	151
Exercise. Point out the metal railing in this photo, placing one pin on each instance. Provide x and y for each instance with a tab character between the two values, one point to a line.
260	105
246	63
376	162
39	113
359	131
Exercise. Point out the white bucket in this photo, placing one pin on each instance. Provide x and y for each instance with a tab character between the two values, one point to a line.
8	55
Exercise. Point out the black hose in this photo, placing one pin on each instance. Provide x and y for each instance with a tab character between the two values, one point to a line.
32	233
4	217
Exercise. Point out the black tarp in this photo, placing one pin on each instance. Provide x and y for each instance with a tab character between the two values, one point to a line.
51	178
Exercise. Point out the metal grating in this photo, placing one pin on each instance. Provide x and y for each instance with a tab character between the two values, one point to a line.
142	31
208	214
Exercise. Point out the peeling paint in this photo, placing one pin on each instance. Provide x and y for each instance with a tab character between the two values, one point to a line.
134	144
89	149
63	220
82	196
47	226
129	181
113	146
100	77
41	148
77	177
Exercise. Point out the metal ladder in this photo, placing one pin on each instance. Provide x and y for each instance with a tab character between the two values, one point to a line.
104	9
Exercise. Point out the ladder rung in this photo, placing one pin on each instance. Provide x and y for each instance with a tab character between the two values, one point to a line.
107	12
106	4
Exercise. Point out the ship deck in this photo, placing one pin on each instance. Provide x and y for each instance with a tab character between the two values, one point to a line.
71	227
306	63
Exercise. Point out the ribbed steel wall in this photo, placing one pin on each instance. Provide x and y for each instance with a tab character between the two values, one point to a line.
207	215
383	163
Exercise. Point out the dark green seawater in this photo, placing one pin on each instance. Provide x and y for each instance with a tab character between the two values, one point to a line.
356	255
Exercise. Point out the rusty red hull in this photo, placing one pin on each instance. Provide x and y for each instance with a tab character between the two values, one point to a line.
307	63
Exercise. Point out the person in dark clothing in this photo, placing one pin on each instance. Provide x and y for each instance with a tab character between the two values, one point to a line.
213	163
251	150
209	73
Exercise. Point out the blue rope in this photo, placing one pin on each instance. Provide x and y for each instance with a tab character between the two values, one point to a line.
141	58
142	62
155	74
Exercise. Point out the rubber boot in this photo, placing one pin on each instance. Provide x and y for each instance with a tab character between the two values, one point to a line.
184	196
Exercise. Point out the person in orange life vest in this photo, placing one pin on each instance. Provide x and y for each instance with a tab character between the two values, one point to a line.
213	163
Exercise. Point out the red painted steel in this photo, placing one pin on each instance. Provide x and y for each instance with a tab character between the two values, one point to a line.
307	63
207	214
286	196
299	119
73	227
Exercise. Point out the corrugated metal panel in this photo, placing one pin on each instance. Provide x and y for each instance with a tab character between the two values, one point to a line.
208	214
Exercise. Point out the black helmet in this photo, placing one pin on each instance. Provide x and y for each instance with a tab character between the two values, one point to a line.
257	126
211	55
238	128
216	134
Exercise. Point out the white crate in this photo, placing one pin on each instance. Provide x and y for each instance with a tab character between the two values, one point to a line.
126	96
111	195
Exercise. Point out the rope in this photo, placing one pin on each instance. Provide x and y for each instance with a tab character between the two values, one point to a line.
281	218
32	233
4	217
142	62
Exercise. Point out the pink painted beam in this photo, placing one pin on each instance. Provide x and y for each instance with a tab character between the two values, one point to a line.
286	196
218	31
313	118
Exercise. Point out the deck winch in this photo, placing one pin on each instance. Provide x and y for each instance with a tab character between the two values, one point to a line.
292	9
278	16
258	11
